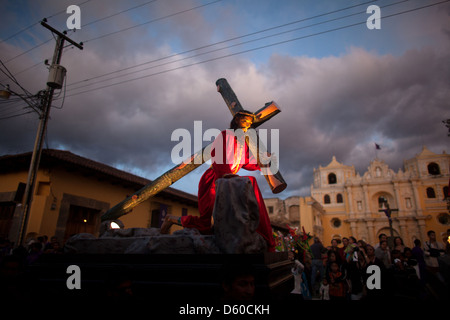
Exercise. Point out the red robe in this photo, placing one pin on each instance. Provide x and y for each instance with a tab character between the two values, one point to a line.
234	156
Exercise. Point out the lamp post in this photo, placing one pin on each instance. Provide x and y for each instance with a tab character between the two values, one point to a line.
4	94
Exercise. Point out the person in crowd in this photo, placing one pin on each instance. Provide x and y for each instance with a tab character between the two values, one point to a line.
334	245
419	256
356	272
297	271
409	260
383	253
337	281
381	237
349	249
432	250
344	247
238	282
371	258
35	252
317	269
398	244
361	244
444	267
404	281
332	256
324	290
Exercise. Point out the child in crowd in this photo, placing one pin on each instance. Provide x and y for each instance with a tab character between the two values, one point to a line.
337	282
324	290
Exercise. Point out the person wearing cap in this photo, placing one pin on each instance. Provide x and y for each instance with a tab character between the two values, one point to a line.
229	154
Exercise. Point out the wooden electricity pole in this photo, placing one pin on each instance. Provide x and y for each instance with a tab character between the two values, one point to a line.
37	150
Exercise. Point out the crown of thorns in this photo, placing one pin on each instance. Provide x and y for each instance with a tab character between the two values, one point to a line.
244	113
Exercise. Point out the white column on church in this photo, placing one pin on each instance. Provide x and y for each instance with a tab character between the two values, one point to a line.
348	189
397	198
371	231
404	232
353	229
366	199
415	188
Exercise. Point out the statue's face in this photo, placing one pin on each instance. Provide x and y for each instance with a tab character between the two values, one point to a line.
244	122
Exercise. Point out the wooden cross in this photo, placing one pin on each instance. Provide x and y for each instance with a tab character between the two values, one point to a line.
388	213
276	181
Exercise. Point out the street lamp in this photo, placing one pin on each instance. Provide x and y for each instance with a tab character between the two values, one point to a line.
7	93
4	94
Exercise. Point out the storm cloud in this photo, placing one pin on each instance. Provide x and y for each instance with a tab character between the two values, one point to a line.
333	104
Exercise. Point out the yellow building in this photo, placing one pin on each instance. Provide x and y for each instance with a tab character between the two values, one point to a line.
354	204
343	203
72	193
297	212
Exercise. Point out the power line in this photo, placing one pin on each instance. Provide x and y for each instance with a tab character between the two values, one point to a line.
29	50
204	53
28	68
13	79
117	13
223	48
231	39
64	10
118	31
37	22
17	115
228	55
151	21
253	49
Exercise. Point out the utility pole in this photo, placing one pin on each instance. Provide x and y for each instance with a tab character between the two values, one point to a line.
37	150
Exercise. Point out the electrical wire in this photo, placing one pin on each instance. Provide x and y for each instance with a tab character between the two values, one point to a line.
253	49
13	79
236	53
37	22
117	13
115	32
151	21
17	115
232	39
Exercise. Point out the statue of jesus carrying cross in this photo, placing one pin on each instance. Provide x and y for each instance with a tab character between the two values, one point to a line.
229	152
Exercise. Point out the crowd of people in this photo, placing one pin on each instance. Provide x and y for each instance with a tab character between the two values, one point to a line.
339	271
342	272
32	249
14	261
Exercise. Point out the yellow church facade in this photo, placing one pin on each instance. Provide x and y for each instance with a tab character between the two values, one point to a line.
344	203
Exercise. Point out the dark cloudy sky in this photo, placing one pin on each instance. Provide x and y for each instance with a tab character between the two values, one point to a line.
149	67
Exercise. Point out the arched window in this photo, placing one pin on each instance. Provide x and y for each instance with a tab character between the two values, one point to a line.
433	169
431	193
445	191
332	178
339	198
326	199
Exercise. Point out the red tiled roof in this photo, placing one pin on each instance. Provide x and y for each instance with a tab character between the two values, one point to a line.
19	161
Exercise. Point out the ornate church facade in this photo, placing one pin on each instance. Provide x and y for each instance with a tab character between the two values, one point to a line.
344	203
